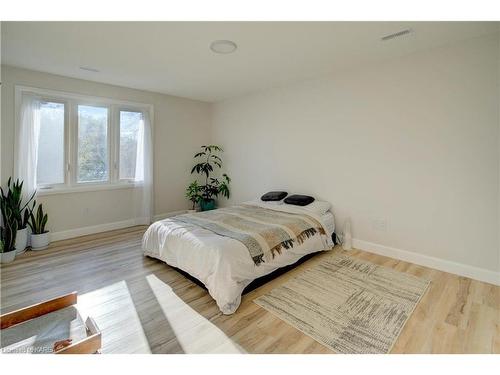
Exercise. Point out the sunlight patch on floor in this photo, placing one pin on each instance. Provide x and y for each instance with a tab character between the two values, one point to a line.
114	311
194	333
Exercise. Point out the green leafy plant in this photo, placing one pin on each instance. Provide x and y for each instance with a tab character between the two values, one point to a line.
8	232
13	198
37	222
208	160
193	193
222	186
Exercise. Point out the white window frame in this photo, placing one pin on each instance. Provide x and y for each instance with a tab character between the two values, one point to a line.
71	102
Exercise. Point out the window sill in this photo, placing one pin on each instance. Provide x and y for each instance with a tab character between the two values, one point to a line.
86	188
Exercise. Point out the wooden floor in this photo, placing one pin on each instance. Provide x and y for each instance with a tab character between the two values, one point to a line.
142	305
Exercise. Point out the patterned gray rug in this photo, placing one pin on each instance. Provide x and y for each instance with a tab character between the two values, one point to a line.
348	305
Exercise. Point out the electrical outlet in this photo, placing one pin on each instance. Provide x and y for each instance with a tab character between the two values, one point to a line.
379	224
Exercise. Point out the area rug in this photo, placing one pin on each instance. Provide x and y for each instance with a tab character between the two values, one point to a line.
348	305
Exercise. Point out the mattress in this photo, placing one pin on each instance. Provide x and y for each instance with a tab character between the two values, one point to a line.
222	263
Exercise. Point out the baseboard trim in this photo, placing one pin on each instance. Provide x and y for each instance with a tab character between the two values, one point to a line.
475	273
77	232
93	229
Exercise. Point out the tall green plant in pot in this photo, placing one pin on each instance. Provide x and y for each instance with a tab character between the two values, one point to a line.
13	198
39	235
8	233
208	160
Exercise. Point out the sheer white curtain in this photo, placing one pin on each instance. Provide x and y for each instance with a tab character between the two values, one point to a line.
144	171
26	146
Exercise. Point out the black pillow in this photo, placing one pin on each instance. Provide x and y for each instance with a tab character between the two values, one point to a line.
274	196
299	200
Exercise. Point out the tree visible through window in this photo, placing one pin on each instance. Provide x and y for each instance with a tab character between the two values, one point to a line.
92	144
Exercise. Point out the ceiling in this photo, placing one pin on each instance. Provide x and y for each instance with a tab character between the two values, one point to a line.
175	58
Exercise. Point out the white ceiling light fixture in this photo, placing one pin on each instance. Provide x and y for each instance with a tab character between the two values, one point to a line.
223	46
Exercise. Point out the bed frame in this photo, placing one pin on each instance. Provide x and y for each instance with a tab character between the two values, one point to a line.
263	279
260	280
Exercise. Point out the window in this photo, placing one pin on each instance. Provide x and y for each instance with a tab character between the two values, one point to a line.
51	158
130	126
86	143
93	152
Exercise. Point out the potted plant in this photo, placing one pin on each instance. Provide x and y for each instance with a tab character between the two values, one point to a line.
8	235
193	193
213	187
39	236
13	199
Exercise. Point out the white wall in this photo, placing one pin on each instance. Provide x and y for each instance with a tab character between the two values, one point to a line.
180	127
413	142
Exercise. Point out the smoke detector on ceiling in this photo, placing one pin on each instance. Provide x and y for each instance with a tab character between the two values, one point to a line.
398	34
223	46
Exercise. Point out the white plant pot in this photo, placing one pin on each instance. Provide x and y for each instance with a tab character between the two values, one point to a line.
7	257
39	241
21	240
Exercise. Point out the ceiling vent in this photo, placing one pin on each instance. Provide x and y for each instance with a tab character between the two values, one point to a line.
89	69
396	35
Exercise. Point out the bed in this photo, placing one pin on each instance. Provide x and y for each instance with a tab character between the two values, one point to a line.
225	263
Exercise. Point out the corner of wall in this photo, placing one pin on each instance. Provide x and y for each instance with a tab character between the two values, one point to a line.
498	151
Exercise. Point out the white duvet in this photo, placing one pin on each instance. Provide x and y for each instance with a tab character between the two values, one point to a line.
222	263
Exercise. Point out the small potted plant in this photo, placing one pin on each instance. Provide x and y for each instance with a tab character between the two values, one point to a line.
8	235
13	199
213	187
37	222
193	193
